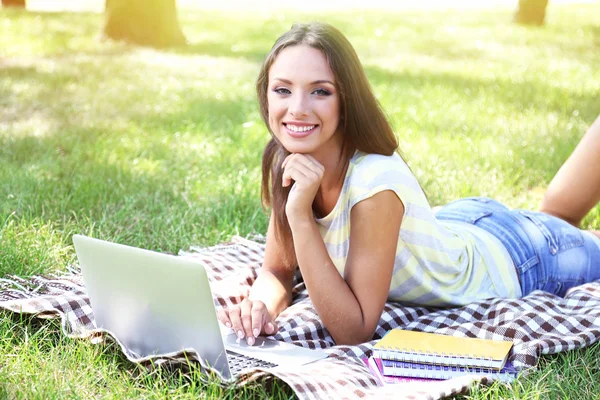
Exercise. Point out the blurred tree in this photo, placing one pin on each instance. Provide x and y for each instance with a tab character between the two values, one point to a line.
13	3
144	22
531	12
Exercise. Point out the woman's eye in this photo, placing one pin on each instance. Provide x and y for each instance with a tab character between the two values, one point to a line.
282	91
322	92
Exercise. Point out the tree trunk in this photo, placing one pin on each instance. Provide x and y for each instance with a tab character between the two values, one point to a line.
531	12
144	22
13	3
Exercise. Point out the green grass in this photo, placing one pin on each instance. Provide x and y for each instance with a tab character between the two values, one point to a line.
161	149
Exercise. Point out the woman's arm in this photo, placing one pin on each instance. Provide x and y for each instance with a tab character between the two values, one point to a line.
351	306
270	294
575	189
274	283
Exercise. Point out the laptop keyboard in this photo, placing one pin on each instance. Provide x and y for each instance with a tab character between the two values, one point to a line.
238	362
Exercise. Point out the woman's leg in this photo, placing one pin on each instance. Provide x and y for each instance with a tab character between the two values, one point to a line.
575	189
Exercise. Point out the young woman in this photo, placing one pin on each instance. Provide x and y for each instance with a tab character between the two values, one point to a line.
348	212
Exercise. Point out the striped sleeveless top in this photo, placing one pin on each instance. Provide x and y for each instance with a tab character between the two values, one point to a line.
438	263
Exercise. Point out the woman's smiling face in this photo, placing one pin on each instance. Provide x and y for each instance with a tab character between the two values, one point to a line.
303	102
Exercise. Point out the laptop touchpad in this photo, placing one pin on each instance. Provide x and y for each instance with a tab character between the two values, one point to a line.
273	351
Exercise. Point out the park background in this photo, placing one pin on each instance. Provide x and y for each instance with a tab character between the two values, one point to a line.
160	147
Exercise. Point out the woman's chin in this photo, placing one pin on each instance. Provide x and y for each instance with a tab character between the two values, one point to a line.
299	148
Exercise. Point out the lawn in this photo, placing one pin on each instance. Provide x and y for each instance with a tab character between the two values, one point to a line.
161	150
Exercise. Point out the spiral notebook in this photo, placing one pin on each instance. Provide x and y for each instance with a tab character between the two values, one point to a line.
376	367
406	370
434	348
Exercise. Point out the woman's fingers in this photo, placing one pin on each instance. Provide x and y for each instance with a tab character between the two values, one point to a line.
314	162
248	319
270	328
285	161
246	310
302	170
304	159
311	166
259	317
235	316
248	322
298	173
293	173
261	320
223	316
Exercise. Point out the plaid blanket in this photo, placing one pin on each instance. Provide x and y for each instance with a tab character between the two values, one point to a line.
537	324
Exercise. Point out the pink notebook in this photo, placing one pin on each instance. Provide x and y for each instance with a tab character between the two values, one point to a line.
376	367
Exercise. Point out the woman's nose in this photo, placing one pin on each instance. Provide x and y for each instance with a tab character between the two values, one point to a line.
299	106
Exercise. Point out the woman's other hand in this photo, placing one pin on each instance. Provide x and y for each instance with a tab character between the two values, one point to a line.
307	174
249	319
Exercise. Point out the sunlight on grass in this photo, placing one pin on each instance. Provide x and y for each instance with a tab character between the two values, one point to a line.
162	150
35	124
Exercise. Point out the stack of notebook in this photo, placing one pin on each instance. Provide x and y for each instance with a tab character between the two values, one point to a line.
402	355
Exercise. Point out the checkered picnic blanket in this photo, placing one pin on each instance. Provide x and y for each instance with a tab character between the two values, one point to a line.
537	324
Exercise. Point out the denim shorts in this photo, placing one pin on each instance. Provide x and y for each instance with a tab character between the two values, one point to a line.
549	253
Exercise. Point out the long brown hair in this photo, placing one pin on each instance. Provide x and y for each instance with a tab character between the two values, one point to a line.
363	122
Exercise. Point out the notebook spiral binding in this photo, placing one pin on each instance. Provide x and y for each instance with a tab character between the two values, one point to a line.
429	371
433	358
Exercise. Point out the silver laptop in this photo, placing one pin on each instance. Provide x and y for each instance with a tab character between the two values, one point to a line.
158	304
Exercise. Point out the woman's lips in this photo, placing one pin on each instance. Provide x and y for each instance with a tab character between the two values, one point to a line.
299	134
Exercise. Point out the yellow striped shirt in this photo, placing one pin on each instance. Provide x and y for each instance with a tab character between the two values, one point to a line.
439	263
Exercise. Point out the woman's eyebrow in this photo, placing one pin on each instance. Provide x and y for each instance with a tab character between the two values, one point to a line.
312	83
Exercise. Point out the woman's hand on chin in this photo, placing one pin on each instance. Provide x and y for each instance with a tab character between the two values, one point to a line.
306	173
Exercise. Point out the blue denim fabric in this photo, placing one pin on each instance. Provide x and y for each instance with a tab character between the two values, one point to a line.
549	253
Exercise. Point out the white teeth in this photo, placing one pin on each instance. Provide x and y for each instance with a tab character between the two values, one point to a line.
296	128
